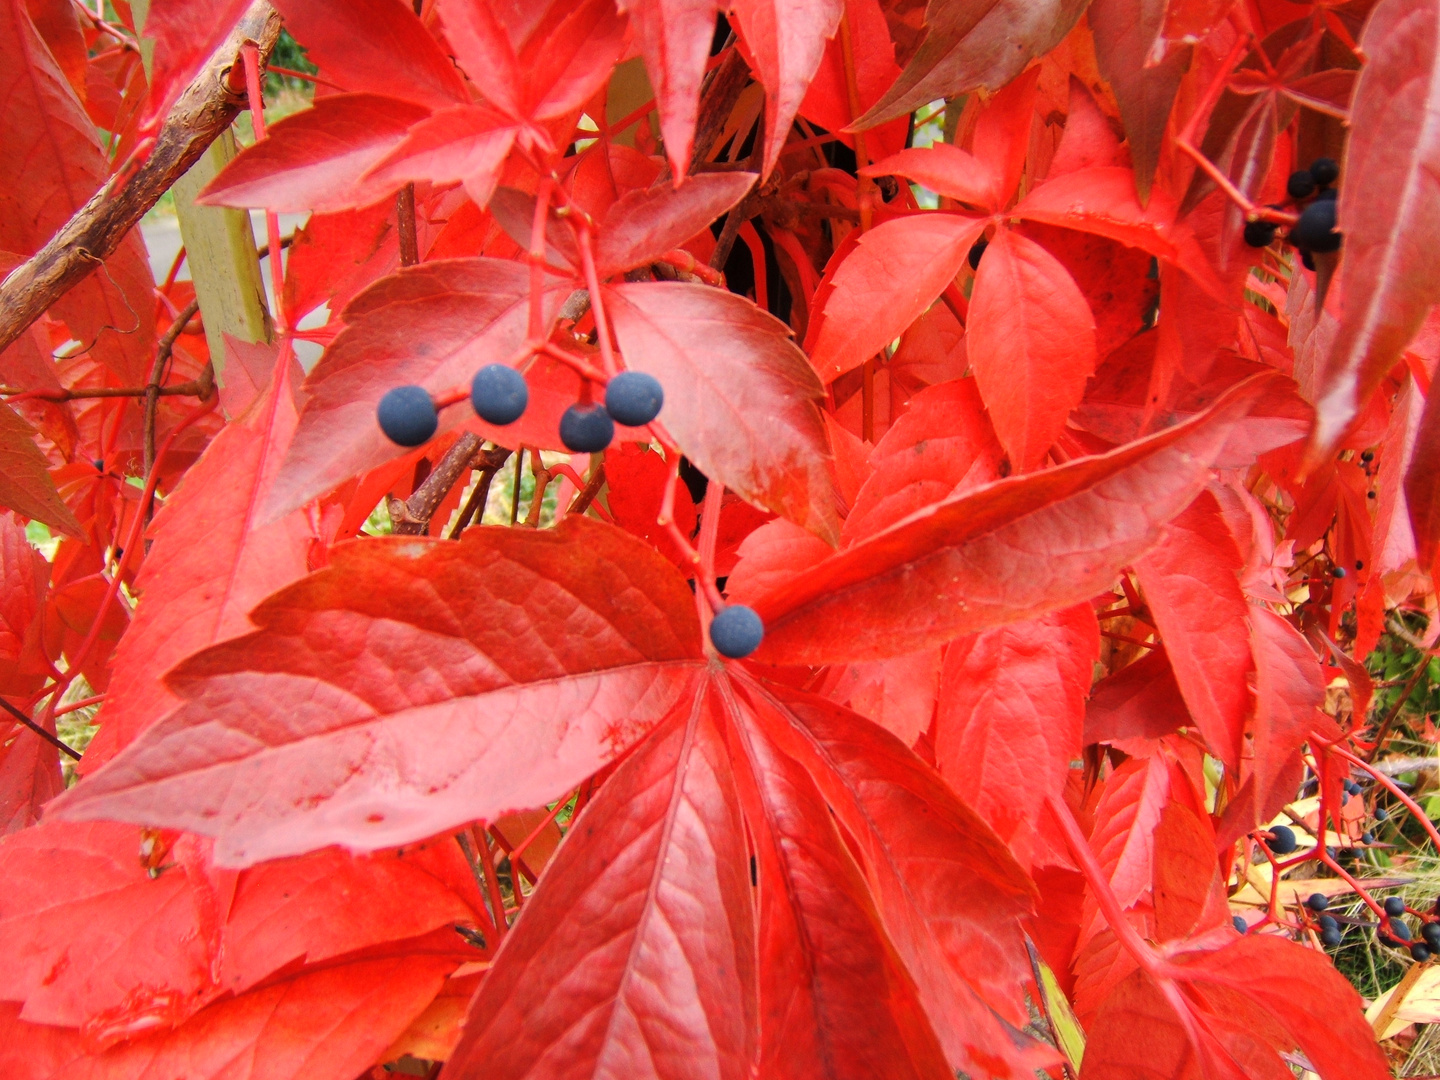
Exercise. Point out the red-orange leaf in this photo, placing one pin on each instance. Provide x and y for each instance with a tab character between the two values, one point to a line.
25	484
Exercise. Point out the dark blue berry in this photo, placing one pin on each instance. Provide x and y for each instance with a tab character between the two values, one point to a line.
1381	814
977	249
1430	931
407	415
736	632
1327	193
586	429
1419	953
1318	902
1367	838
1394	906
1330	938
1399	931
1325	171
633	398
1301	185
499	394
1327	922
1239	923
1307	260
1315	231
1282	839
1259	234
1339	571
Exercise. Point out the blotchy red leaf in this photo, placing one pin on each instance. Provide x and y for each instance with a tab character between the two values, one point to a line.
675	37
637	956
643	224
181	34
835	1000
1011	714
949	894
739	397
464	680
975	43
25	484
1192	588
431	325
787	41
1031	345
886	282
375	46
330	1022
318	159
210	564
1389	210
1009	551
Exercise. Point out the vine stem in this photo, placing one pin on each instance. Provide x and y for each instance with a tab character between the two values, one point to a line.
250	54
1390	785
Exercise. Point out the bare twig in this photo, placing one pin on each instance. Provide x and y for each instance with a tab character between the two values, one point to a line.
412	517
96	230
717	102
157	373
33	726
492	462
1384	729
405	217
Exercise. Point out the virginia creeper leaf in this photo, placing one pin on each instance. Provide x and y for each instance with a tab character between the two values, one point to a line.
1422	484
464	680
25	484
641	225
181	35
674	36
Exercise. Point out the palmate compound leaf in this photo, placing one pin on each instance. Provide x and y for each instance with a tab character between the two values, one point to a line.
409	687
25	484
740	399
1389	210
1009	551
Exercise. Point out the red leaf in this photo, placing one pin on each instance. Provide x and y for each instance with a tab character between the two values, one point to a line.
1124	31
1140	702
975	43
1012	709
181	35
334	256
946	170
1289	691
375	47
1192	588
465	143
949	894
740	399
787	41
835	1000
770	556
827	101
407	701
899	694
431	325
1422	484
1031	345
941	446
210	564
319	159
1126	818
25	484
637	957
1389	210
675	37
644	224
950	569
886	282
1088	139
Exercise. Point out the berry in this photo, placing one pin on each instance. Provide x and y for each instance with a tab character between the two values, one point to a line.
1367	838
976	250
1394	906
1315	231
1330	938
1381	814
1307	261
1327	922
1327	193
1240	925
586	429
1399	930
1367	456
1339	571
736	632
1301	185
407	415
1282	839
633	398
99	464
1419	953
1325	171
1318	902
499	394
1259	234
1359	564
1430	931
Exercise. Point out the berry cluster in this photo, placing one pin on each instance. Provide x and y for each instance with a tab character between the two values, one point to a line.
408	415
1315	230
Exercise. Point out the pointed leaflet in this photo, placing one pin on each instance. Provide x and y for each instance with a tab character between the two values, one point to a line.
946	170
1289	691
1389	210
431	325
835	1000
210	564
949	894
885	283
674	36
1012	710
1126	818
180	35
318	159
974	43
787	41
644	224
1009	551
1422	484
636	958
1031	344
1192	588
466	143
739	397
1140	701
331	1022
1124	32
466	679
25	484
